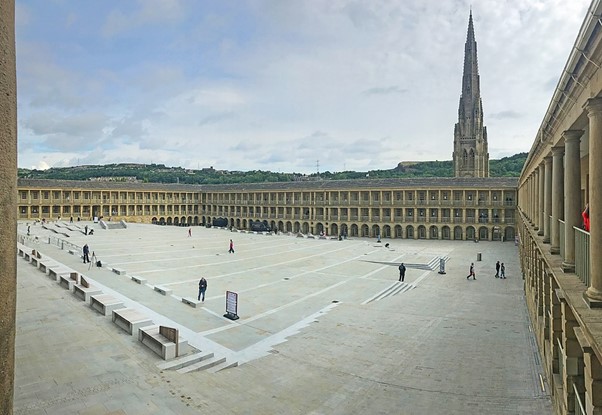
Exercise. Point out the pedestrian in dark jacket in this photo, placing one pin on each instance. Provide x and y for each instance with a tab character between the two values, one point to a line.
471	272
402	272
202	288
497	269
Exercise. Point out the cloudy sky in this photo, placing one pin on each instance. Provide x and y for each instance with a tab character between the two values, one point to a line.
280	85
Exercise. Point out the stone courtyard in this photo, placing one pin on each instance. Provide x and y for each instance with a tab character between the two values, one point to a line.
324	326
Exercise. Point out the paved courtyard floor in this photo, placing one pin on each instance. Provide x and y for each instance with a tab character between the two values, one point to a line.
324	326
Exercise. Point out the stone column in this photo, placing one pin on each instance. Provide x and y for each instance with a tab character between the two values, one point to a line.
594	112
547	208
557	197
541	198
572	193
8	204
535	199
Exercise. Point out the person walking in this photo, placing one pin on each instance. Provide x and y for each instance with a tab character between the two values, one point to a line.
502	271
471	272
189	232
497	269
402	272
231	250
86	251
202	289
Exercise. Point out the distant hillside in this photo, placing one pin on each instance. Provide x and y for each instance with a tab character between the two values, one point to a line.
159	173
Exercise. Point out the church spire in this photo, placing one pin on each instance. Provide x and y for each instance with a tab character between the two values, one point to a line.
471	158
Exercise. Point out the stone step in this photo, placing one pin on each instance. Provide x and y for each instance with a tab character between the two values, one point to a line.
202	365
184	361
222	366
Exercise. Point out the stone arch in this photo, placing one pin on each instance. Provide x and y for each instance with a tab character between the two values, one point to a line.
161	220
189	220
319	228
470	233
154	220
183	221
445	233
289	226
433	232
353	231
421	232
483	233
280	226
398	231
176	221
458	233
297	227
509	233
409	232
334	229
344	229
169	220
305	228
376	231
386	231
195	221
365	231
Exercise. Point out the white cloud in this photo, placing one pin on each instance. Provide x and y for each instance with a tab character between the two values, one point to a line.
278	85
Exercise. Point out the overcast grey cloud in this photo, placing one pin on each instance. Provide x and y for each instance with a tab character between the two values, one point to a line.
278	84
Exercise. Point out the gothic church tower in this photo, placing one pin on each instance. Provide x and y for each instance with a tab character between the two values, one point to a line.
471	154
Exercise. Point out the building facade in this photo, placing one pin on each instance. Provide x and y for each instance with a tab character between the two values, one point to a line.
471	153
425	208
562	261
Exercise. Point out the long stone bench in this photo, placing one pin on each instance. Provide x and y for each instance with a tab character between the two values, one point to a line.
35	258
84	290
163	290
130	320
105	303
46	264
119	271
191	302
138	280
58	270
68	281
162	340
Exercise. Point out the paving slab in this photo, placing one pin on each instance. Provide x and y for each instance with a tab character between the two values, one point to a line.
313	335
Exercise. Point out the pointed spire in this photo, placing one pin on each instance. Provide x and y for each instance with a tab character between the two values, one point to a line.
470	133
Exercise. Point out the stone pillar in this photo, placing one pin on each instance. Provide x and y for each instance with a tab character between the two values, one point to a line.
572	199
594	112
535	199
547	208
557	197
541	198
8	204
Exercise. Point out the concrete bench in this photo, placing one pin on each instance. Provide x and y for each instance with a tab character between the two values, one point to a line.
72	252
46	264
105	303
27	256
58	270
138	280
84	290
119	271
35	258
21	251
191	302
68	281
162	290
130	320
162	341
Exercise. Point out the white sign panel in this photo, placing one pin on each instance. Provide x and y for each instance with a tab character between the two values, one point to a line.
231	302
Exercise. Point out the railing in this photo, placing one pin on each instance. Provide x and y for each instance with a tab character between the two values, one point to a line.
582	259
561	236
579	398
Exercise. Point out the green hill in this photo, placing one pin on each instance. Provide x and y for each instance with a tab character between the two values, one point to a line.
159	173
